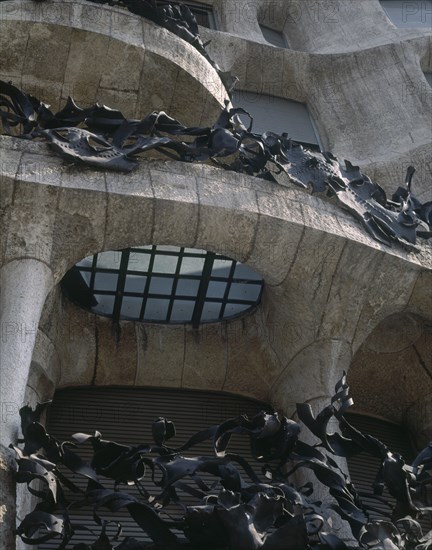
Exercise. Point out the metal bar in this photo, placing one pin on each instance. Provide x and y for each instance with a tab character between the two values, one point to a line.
203	287
174	287
227	289
120	284
148	281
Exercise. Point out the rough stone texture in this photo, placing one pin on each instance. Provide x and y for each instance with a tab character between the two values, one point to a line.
315	258
24	286
115	364
108	55
160	355
419	421
7	498
315	369
360	76
331	291
206	357
251	369
77	346
391	373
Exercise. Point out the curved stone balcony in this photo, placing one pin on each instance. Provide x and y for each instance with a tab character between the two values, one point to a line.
98	53
317	262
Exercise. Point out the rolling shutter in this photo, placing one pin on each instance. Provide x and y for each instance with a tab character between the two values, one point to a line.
125	416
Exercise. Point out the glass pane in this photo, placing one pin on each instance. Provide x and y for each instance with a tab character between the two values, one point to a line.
192	266
135	283
106	281
182	311
156	310
245	272
86	275
186	287
105	304
243	291
109	260
139	261
216	289
161	285
165	264
221	268
131	307
234	309
165	260
211	311
86	262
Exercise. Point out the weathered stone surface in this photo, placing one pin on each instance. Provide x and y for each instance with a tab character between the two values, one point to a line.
227	218
24	286
77	346
419	420
106	55
176	198
206	357
7	498
319	366
160	355
389	384
250	370
396	333
116	364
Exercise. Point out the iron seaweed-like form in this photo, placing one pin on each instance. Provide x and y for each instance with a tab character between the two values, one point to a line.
103	138
240	511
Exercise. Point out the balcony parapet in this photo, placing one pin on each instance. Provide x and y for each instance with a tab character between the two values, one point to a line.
102	53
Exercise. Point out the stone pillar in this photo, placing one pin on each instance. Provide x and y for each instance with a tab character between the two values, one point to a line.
310	377
24	286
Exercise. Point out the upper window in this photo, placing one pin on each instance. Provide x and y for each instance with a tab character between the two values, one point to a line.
273	37
405	13
163	284
203	13
278	115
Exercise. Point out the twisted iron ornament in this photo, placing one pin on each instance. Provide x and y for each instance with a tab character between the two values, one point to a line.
103	138
240	511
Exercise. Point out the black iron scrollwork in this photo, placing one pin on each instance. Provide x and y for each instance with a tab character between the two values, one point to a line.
240	510
103	138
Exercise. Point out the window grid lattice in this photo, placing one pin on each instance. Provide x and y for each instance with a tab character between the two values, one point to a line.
165	285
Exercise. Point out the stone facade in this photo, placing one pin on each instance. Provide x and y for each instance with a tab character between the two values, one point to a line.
334	299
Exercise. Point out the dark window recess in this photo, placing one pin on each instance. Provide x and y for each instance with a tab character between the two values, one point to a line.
277	115
363	468
125	415
203	13
273	37
163	284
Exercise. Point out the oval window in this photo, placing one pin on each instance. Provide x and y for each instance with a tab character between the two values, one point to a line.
163	284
